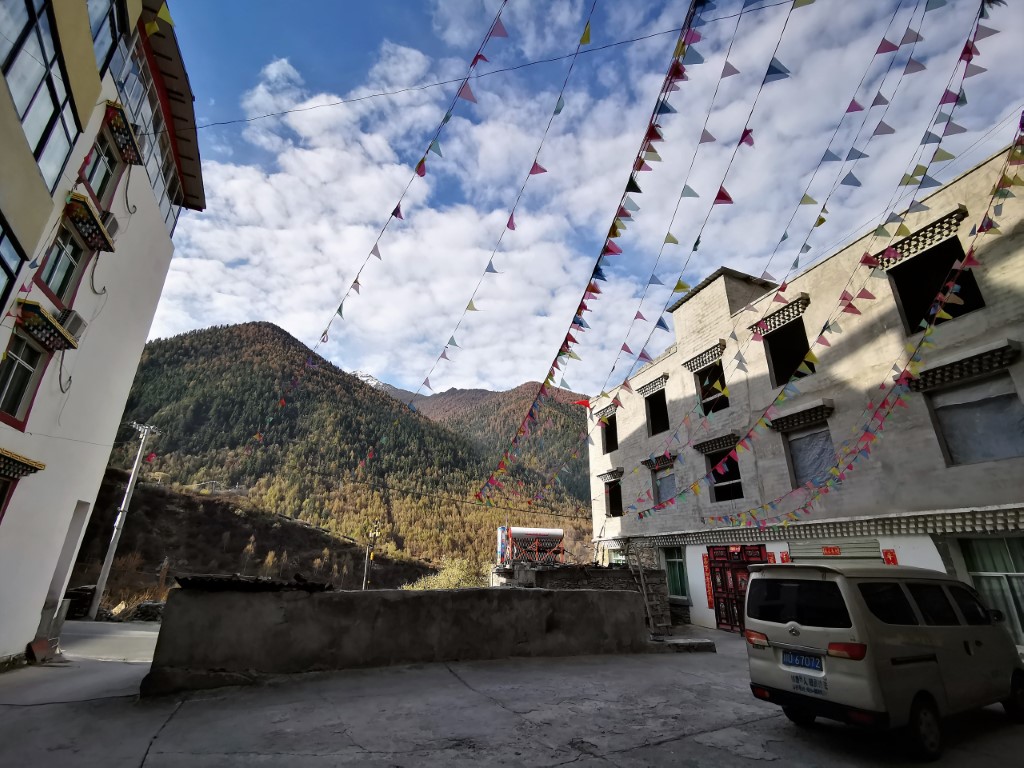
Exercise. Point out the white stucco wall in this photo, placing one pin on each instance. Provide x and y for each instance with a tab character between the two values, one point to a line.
72	432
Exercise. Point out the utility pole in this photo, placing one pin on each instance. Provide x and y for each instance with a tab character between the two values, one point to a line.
145	430
369	547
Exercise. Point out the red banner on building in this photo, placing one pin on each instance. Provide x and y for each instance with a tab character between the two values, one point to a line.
707	581
771	557
889	555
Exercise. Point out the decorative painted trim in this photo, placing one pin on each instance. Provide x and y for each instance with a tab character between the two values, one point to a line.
122	133
44	327
987	361
84	217
924	238
993	520
780	317
14	465
660	462
705	358
652	386
608	411
611	475
717	443
813	413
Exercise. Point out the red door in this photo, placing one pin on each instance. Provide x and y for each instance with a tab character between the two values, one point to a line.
729	577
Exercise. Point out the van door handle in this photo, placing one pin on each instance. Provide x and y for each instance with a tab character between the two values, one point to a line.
967	648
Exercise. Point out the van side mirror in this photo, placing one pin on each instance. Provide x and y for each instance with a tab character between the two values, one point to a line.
996	615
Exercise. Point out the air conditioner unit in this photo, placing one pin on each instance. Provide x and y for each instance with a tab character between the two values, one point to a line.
110	224
73	323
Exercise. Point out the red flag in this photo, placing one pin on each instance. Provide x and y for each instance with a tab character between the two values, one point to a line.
151	458
584	403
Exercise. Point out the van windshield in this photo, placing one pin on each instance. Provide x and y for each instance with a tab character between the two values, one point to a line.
808	603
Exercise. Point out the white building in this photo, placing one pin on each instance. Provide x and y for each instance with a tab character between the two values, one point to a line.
937	483
98	154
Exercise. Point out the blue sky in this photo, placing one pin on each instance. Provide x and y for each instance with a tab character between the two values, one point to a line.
295	203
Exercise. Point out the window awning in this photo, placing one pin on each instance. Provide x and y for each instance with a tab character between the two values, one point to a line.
122	133
717	443
44	327
14	466
86	220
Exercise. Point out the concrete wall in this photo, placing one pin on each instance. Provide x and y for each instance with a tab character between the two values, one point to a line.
209	639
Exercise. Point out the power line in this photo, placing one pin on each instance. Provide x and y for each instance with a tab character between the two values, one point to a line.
440	83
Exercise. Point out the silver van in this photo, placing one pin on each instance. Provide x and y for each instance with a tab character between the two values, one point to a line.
877	645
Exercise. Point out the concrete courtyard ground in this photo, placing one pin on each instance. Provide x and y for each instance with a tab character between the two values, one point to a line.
674	709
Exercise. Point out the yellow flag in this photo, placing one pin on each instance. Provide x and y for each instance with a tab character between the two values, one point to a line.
585	39
152	28
680	50
809	357
670	239
165	14
902	230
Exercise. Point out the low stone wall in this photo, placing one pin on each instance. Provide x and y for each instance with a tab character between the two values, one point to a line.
210	639
589	577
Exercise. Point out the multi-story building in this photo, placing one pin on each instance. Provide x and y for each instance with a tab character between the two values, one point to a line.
926	471
98	155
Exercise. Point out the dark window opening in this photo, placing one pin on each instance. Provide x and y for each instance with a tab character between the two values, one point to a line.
934	605
808	603
786	348
888	603
613	492
918	280
711	386
610	435
657	413
726	483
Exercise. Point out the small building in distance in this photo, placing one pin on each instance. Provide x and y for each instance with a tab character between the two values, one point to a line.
99	154
831	418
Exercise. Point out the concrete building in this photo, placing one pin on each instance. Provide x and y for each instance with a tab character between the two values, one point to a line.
939	482
99	155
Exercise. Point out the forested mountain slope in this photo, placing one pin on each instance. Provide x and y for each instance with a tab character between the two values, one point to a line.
248	406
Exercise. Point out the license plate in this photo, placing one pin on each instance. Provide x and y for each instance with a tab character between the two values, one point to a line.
802	661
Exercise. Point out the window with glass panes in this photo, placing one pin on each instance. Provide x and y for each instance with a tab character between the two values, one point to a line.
810	454
10	264
105	24
32	69
664	485
675	570
101	168
63	265
18	375
996	566
138	93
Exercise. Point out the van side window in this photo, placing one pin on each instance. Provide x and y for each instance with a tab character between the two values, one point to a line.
974	612
934	605
887	602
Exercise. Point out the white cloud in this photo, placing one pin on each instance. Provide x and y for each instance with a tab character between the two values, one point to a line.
282	240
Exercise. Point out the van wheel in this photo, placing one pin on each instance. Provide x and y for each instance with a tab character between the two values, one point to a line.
802	717
925	729
1014	705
